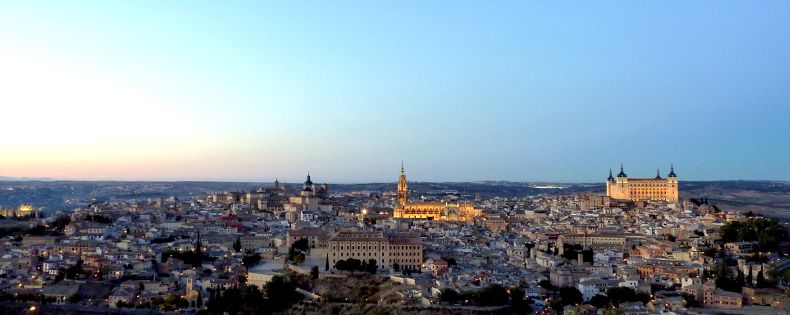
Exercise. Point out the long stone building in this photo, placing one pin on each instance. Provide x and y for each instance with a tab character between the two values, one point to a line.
404	249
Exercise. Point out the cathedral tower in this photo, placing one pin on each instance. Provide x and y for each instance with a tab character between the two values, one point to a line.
403	188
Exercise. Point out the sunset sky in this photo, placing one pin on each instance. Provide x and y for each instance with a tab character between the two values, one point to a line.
460	91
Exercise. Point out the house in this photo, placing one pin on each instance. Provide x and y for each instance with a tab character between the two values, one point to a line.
120	293
60	292
738	248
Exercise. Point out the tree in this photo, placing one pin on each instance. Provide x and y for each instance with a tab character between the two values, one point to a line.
619	295
314	272
691	301
251	260
517	303
302	244
449	295
299	258
396	267
326	267
341	265
571	296
199	301
740	279
761	283
724	279
570	252
237	244
493	295
280	292
60	223
599	301
749	277
546	284
641	297
372	266
450	261
766	233
587	255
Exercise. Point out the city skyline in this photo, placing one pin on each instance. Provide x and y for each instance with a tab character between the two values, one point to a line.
460	91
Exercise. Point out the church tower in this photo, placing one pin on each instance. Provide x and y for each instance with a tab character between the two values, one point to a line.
403	188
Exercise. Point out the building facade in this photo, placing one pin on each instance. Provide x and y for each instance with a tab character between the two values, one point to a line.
430	210
403	249
658	188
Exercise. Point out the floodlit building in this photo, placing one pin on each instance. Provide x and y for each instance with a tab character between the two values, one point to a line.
403	249
430	210
636	189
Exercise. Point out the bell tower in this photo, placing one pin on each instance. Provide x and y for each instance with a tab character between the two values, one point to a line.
403	188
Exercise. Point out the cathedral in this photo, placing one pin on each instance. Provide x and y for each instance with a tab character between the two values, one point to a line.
657	188
430	210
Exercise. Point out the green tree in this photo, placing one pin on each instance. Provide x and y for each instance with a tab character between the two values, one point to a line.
314	272
326	267
341	265
749	277
740	279
761	283
546	284
449	295
619	295
251	260
280	293
517	303
302	244
599	301
724	278
493	295
587	255
371	266
691	301
237	244
569	252
571	296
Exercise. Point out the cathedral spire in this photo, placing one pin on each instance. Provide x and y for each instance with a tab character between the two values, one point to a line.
658	174
610	178
403	188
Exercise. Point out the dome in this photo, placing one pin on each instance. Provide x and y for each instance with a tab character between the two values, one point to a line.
672	171
622	173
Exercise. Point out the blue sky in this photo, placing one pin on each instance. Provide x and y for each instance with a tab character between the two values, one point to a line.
548	91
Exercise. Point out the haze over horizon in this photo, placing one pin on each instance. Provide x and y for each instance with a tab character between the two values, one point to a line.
460	91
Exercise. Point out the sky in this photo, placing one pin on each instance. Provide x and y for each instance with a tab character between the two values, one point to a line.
346	90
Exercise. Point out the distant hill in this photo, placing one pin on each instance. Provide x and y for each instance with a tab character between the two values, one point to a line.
7	178
769	197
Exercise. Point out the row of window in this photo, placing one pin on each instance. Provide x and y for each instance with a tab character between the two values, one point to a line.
365	254
397	261
392	247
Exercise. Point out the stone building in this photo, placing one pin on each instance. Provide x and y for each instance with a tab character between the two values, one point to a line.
404	249
430	210
636	189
